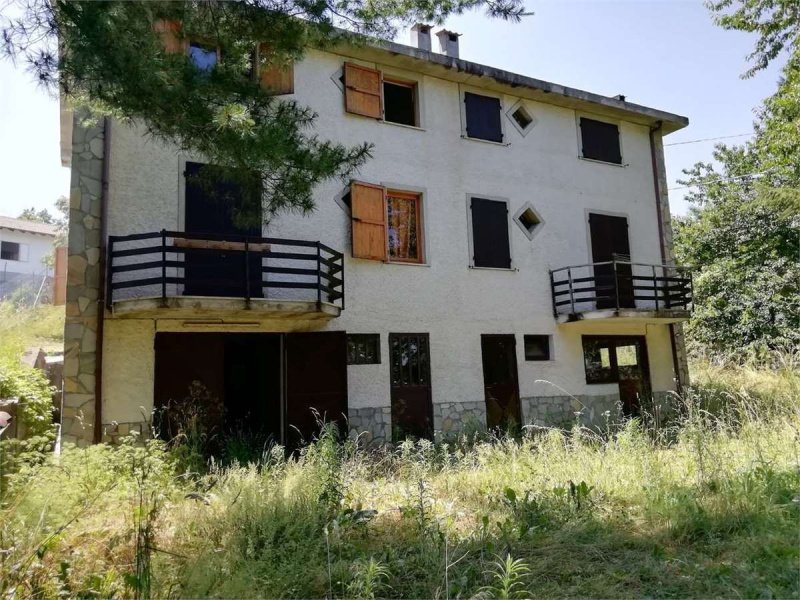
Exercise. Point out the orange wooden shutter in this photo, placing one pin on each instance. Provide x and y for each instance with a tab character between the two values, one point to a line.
362	91
368	212
277	79
169	33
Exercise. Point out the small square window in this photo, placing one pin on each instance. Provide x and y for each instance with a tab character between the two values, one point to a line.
400	102
363	349
537	347
9	251
202	56
528	220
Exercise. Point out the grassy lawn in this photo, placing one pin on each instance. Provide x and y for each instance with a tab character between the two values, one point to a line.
707	508
42	327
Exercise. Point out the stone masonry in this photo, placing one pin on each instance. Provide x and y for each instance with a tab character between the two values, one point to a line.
83	282
372	424
454	417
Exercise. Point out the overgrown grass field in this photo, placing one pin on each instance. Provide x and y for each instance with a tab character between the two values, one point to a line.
709	507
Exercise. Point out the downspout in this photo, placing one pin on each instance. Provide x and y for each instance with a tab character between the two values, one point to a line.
662	246
101	292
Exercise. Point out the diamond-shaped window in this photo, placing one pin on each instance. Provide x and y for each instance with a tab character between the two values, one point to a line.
521	117
528	220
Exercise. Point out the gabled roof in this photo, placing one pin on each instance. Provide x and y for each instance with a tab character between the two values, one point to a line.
28	226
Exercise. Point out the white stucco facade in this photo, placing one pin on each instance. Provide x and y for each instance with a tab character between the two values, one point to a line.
445	296
25	246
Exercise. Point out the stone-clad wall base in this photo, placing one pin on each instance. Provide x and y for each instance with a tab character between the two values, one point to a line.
451	418
561	411
114	432
371	425
83	284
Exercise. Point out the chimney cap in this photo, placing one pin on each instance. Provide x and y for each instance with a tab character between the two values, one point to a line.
451	35
620	97
422	27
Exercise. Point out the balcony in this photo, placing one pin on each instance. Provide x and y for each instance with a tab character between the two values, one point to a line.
222	277
621	289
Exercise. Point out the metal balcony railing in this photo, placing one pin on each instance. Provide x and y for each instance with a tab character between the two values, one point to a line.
173	263
620	284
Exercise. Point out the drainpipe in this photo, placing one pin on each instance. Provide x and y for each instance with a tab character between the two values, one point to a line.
663	248
101	292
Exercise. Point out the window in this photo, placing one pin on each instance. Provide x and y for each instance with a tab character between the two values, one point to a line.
367	93
10	251
483	117
600	141
537	347
399	102
490	243
528	220
202	56
363	349
609	358
522	118
276	78
387	224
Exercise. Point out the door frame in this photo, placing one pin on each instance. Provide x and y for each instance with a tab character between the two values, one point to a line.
625	340
515	373
628	300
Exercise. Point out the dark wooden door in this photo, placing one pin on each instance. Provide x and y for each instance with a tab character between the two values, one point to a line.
412	407
189	382
316	383
500	381
211	208
609	236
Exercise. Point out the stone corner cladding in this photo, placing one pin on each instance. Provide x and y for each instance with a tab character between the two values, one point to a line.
83	283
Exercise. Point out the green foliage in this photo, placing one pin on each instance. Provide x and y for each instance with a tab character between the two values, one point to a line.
40	216
107	56
777	23
708	511
743	234
31	388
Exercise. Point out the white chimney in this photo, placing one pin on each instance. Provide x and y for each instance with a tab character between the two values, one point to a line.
448	42
421	36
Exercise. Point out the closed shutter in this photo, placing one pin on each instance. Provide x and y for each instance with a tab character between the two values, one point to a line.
362	93
169	33
368	211
490	244
277	79
483	117
600	141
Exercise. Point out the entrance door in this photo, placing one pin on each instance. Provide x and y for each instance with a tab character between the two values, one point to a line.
412	407
609	240
316	383
222	386
633	372
500	381
211	209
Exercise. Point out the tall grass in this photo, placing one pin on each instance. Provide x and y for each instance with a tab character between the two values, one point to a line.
22	327
713	509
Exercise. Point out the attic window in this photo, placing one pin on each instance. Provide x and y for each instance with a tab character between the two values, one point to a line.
522	117
528	220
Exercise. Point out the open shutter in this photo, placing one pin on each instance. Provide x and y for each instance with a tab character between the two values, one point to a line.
362	91
368	210
278	79
169	33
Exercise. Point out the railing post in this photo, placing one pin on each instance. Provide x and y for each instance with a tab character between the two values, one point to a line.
655	286
553	294
247	271
616	281
341	261
319	274
109	272
163	267
571	291
690	300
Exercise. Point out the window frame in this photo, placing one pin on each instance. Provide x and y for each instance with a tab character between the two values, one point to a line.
18	251
470	233
405	194
521	104
463	110
601	119
365	338
615	341
522	210
201	42
545	336
399	81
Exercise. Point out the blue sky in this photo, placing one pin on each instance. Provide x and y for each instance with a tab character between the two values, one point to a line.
662	53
